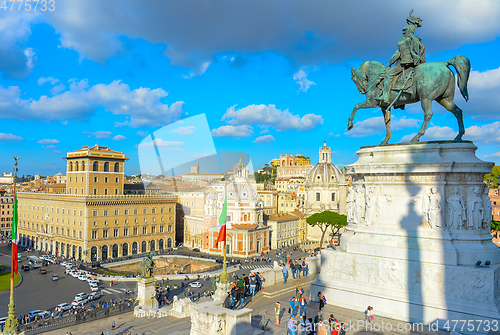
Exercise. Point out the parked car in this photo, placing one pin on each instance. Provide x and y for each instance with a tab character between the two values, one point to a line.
94	287
81	295
55	277
82	277
43	271
92	280
39	312
195	284
63	307
196	250
25	267
175	248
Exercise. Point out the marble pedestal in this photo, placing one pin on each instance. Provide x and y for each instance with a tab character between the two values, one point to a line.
417	225
146	293
221	291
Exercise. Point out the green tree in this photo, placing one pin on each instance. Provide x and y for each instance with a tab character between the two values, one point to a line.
491	179
495	225
327	219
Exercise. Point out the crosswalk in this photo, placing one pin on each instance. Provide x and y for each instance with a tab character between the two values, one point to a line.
255	266
108	291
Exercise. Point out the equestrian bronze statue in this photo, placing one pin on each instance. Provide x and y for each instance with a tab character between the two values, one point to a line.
411	79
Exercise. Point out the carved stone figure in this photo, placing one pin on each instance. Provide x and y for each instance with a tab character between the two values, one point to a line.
359	205
350	205
475	209
432	208
372	207
488	209
147	266
456	209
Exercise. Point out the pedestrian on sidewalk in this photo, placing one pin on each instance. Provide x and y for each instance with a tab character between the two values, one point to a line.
322	300
277	310
241	296
321	328
302	305
293	306
298	290
298	268
292	267
303	326
234	295
285	273
291	326
369	315
318	317
113	325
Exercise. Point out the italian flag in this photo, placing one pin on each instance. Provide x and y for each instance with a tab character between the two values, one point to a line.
221	227
13	251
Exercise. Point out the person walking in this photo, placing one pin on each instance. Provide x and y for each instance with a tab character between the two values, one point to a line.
253	284
318	317
113	325
292	267
291	326
285	273
321	328
277	310
241	296
302	306
293	306
368	315
298	268
322	300
234	295
298	290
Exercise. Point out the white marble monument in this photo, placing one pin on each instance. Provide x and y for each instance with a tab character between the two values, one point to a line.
419	220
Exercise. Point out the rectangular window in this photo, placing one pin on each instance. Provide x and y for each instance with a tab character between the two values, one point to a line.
116	191
94	234
125	212
105	179
57	231
105	191
162	210
333	196
136	211
161	229
169	228
81	213
153	210
115	232
144	230
105	212
153	229
116	212
95	191
116	180
145	211
105	233
95	179
125	231
80	235
135	231
170	209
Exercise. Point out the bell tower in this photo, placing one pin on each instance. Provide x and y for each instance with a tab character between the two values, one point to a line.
325	154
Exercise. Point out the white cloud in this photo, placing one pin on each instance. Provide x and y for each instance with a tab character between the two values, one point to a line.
50	146
57	89
47	141
183	130
264	139
403	122
264	131
119	138
10	137
100	134
330	134
301	78
142	133
161	144
374	125
271	116
488	133
233	131
142	105
495	155
484	91
50	80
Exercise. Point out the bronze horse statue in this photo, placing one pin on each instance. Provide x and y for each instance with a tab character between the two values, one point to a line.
432	81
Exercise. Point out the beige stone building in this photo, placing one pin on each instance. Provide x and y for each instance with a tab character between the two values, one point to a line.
292	166
287	229
6	208
94	220
286	203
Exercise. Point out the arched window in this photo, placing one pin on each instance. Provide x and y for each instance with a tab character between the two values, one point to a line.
134	248
125	249
95	166
169	243
83	166
93	253
333	196
318	196
117	167
152	245
104	252
106	167
70	166
160	245
76	166
143	246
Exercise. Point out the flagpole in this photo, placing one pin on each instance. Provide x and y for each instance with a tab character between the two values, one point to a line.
11	324
224	277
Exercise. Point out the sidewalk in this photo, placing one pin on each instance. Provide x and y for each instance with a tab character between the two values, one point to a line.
262	316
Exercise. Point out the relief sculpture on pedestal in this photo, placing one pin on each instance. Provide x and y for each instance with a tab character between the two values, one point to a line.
456	209
475	209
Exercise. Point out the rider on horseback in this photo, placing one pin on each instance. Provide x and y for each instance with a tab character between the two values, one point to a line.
410	53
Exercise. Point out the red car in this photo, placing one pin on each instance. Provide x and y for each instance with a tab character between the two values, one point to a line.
43	271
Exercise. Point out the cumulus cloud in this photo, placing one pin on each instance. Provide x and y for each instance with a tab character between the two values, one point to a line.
47	141
484	90
374	125
305	34
495	155
488	133
119	138
10	137
183	130
100	134
50	146
142	133
142	106
403	122
233	131
57	89
264	139
50	80
270	116
301	78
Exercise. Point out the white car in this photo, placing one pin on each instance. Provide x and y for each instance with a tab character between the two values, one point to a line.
92	280
81	295
94	295
63	307
195	284
94	287
74	274
82	277
79	301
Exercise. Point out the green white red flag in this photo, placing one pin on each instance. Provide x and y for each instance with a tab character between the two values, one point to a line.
221	227
15	220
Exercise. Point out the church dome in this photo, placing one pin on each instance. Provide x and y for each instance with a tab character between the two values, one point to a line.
324	173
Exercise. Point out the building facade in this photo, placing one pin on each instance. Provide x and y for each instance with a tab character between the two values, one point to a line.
94	220
293	166
6	212
287	229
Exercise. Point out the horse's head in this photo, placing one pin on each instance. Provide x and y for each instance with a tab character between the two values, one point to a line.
360	79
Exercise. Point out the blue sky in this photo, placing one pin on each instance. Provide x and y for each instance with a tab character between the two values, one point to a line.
270	77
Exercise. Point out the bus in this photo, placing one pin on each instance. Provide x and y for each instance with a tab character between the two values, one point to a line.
34	261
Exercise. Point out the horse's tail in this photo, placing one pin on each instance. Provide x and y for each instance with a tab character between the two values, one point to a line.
462	65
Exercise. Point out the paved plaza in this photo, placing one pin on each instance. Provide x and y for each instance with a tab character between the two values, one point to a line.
263	316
